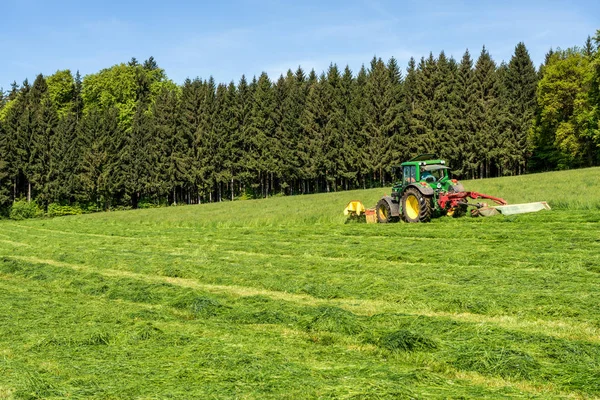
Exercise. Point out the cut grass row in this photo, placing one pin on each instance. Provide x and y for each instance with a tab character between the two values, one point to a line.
246	340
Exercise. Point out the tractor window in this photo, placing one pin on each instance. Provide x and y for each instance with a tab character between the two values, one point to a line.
410	174
438	174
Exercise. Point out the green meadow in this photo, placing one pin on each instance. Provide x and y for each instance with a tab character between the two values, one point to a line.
280	298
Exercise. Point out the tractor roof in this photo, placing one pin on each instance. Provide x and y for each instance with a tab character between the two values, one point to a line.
424	159
434	167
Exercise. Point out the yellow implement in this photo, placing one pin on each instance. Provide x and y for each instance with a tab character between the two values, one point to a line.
354	208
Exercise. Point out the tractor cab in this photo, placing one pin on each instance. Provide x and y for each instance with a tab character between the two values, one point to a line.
424	170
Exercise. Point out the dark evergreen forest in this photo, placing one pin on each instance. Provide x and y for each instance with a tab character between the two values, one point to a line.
128	136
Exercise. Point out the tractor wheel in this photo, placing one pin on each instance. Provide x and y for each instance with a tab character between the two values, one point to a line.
384	212
415	206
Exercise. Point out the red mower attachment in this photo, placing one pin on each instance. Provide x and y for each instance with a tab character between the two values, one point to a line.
451	200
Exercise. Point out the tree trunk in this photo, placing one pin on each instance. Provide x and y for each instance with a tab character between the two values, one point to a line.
28	191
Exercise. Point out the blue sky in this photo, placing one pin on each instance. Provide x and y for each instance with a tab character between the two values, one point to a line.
226	39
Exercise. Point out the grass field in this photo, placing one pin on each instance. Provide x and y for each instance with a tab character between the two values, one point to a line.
279	298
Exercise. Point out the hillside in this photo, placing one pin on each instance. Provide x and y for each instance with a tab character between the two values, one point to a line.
279	298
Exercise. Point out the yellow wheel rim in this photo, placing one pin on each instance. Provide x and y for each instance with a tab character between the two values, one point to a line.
412	207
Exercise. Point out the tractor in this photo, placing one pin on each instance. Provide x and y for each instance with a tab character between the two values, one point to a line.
426	190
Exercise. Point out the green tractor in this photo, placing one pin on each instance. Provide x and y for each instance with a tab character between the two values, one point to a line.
426	190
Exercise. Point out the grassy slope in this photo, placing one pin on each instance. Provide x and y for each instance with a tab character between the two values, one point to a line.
279	298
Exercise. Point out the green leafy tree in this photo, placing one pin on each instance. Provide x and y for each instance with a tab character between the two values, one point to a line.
566	115
61	89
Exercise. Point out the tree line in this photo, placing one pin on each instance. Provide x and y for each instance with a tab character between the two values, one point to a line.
128	134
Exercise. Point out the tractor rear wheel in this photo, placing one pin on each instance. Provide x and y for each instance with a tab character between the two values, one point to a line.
384	212
415	206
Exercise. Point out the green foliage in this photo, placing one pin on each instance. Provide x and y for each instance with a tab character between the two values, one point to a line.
58	210
565	133
23	209
61	89
128	133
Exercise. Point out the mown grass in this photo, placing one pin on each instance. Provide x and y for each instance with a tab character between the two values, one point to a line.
279	298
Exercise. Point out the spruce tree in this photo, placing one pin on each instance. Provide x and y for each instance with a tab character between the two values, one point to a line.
5	185
350	152
188	123
65	159
358	117
376	106
486	101
333	127
41	161
444	80
422	121
292	110
243	110
313	125
282	150
411	111
171	147
204	138
464	121
14	155
260	134
232	142
520	83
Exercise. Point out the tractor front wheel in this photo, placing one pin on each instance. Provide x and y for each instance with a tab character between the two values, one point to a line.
384	212
415	206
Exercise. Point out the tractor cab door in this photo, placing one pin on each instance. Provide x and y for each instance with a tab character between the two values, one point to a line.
409	175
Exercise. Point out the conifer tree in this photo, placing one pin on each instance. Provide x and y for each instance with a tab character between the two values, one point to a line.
41	162
188	123
333	127
65	159
411	110
243	110
292	110
282	149
444	81
376	106
422	121
14	154
520	82
260	135
486	101
171	147
464	121
204	137
350	152
393	118
100	174
313	125
358	117
4	175
232	142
